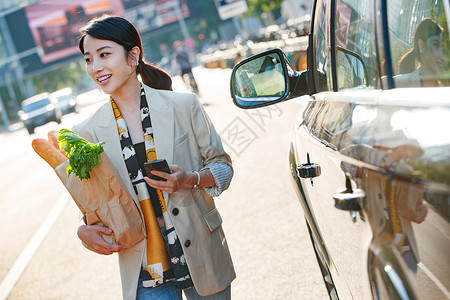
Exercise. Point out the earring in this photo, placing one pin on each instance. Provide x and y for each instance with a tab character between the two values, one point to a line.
420	51
136	63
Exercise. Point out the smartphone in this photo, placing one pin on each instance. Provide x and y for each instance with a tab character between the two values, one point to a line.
158	165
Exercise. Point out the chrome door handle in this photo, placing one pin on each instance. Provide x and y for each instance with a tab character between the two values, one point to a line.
348	198
308	170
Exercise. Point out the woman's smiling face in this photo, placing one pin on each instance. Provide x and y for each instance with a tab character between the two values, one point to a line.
433	59
108	64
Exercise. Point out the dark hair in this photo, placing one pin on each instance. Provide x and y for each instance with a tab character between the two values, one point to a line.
122	32
426	29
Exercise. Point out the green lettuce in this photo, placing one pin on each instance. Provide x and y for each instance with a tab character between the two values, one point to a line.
83	155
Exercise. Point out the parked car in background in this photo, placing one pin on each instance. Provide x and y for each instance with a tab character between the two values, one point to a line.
370	154
38	110
64	101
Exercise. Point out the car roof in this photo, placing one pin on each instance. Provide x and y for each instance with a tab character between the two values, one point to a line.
64	91
35	98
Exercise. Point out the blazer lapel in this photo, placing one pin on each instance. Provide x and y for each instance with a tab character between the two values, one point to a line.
162	117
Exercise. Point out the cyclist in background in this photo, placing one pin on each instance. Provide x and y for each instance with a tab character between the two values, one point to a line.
182	59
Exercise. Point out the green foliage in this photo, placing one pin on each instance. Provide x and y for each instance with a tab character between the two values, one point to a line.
256	7
437	172
83	155
71	75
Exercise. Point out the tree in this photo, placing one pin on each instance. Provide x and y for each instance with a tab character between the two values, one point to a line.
256	7
70	75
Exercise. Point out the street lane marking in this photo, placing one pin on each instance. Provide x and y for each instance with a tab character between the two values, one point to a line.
434	279
24	258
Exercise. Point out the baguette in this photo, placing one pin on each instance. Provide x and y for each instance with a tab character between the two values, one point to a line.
48	152
53	139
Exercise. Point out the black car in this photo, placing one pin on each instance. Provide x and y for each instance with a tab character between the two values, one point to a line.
370	155
38	110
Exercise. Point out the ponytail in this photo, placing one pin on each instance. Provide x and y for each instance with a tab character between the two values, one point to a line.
154	77
407	63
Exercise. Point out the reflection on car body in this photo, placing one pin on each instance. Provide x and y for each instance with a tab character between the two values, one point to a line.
370	156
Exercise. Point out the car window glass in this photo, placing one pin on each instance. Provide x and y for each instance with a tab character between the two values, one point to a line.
419	43
63	98
350	69
355	49
35	105
322	78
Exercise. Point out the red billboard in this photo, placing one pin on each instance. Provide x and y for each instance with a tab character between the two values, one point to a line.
55	24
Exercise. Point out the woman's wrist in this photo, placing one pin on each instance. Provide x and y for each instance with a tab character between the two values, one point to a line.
198	178
191	179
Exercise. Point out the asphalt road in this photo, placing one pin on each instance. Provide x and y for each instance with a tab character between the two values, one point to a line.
41	257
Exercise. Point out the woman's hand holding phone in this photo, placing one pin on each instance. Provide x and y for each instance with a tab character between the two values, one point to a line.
173	181
157	165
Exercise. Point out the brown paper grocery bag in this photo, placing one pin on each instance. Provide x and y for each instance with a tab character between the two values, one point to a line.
104	201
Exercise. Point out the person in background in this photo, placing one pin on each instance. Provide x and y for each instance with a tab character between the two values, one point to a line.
145	121
184	65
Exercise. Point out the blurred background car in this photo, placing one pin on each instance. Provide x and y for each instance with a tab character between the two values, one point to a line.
38	110
64	101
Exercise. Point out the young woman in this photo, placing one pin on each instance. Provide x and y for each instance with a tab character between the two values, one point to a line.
185	248
428	51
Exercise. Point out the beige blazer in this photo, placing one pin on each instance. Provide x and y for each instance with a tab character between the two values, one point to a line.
183	136
408	79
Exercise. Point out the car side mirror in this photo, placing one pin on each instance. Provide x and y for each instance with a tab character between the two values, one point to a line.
266	78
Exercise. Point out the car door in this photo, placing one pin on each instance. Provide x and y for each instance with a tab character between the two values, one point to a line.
416	106
344	68
381	146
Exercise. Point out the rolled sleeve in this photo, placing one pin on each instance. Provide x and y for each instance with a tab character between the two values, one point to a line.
222	174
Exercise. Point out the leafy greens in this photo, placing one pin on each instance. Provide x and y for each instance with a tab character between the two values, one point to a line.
83	155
